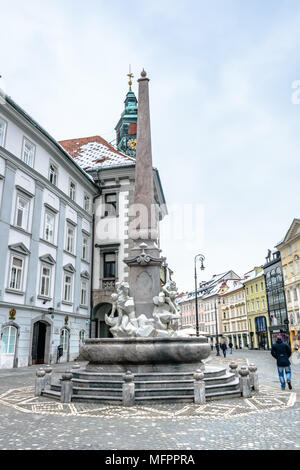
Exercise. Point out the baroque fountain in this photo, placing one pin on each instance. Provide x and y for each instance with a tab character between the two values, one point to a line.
145	360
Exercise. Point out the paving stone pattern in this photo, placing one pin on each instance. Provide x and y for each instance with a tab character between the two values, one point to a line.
270	419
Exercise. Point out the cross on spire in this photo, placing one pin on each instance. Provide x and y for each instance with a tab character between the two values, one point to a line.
130	75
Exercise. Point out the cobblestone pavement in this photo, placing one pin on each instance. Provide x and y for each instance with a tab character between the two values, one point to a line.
268	420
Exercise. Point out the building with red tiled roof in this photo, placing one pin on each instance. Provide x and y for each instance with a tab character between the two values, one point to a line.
95	152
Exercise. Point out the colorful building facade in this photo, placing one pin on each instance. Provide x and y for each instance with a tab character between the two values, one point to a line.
233	313
290	258
257	309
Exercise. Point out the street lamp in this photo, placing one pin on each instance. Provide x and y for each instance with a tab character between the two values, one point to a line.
201	258
217	331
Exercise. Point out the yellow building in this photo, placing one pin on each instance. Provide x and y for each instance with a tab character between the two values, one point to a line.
290	259
257	309
233	314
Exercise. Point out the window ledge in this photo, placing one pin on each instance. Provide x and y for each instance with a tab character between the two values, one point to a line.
48	243
14	291
84	306
20	229
85	261
43	297
69	253
65	302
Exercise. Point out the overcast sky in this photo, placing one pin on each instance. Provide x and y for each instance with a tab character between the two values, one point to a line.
225	131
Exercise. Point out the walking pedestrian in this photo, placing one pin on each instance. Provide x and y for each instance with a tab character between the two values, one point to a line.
281	352
230	347
224	347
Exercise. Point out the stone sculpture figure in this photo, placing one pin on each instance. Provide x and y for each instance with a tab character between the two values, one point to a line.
125	323
166	315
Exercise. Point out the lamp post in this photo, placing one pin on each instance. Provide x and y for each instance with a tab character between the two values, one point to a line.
201	258
217	331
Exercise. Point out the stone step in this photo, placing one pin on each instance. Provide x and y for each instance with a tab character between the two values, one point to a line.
149	376
153	392
99	398
51	394
96	383
112	392
166	398
223	395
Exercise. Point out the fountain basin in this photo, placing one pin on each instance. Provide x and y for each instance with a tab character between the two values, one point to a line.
145	354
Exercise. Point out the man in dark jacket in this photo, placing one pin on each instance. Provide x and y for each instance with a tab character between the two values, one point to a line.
224	347
281	351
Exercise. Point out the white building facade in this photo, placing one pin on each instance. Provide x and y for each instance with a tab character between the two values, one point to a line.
114	173
46	203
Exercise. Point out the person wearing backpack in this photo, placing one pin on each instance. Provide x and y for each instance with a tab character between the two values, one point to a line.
281	352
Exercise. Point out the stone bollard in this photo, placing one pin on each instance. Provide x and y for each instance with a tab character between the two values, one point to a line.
199	388
76	366
245	382
39	382
253	377
48	370
234	368
66	387
128	390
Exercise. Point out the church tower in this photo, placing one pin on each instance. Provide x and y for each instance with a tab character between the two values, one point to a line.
126	129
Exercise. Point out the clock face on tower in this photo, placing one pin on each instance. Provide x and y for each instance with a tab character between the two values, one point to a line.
131	144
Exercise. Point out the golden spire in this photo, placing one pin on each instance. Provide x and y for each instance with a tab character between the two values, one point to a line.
130	75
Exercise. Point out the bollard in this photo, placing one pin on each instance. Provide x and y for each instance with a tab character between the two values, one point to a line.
76	365
199	388
66	387
48	370
253	377
245	382
128	390
234	368
39	382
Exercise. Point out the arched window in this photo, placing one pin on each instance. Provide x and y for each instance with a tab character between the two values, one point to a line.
8	340
81	336
64	339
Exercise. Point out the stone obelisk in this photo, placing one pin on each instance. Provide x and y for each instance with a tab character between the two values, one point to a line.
144	259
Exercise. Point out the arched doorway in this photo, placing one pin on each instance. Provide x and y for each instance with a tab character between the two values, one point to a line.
99	328
40	342
9	345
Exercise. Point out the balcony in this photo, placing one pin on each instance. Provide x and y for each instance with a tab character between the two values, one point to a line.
108	284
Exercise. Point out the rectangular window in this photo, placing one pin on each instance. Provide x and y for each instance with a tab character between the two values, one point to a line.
16	273
256	288
295	294
110	205
87	203
53	173
70	239
45	281
22	212
28	152
83	296
67	295
291	265
109	265
262	286
49	227
85	248
72	190
2	132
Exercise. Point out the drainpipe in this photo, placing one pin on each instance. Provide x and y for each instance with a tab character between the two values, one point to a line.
92	257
